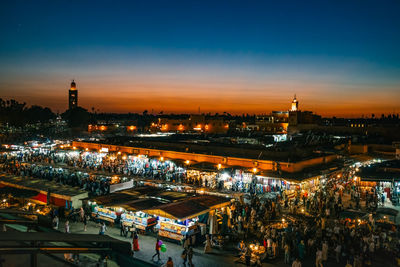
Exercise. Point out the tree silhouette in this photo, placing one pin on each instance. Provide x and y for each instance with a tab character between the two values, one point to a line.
77	117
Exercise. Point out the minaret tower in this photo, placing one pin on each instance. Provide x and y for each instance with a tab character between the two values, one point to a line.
295	104
73	96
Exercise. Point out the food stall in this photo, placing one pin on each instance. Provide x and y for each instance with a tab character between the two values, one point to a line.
104	214
138	220
135	219
182	219
178	220
107	207
353	218
176	230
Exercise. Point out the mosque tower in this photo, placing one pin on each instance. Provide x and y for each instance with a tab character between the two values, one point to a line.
73	96
295	104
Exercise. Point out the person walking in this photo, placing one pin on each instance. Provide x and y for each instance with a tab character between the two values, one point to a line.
122	229
158	246
82	214
247	256
287	253
325	251
318	258
135	242
338	250
66	226
190	256
207	246
67	256
103	228
84	223
169	263
296	263
301	249
184	256
55	222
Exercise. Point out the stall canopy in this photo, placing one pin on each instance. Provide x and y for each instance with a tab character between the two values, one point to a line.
146	191
18	192
212	202
172	196
179	210
142	204
385	171
352	214
114	199
40	185
189	208
387	211
130	195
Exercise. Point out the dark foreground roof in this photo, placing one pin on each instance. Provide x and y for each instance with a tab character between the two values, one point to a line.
50	237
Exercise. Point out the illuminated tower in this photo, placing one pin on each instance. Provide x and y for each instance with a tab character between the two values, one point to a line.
73	96
295	104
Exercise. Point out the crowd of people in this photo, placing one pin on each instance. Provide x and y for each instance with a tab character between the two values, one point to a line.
311	227
95	184
294	228
141	167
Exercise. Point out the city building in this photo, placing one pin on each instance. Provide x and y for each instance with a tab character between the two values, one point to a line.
276	122
193	123
73	96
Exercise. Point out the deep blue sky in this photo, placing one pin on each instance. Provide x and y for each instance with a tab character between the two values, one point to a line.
340	57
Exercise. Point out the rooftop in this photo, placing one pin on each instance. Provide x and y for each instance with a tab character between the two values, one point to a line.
41	185
384	171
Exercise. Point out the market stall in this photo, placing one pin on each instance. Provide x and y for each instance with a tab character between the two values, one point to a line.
104	214
184	219
203	174
235	178
178	220
133	217
138	221
107	208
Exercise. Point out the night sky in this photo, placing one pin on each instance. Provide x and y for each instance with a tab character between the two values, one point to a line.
340	57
